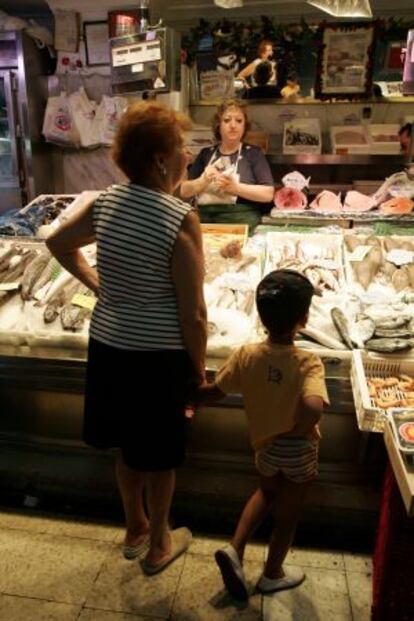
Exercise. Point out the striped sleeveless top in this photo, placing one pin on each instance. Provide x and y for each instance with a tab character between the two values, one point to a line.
136	229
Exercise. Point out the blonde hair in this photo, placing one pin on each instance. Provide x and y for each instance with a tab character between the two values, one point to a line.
147	130
222	109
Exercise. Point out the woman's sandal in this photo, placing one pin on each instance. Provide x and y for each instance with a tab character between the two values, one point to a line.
180	541
132	552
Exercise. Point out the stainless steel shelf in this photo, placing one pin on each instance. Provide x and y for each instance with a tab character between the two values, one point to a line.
328	159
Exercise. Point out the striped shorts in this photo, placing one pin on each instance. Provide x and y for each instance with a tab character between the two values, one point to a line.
296	458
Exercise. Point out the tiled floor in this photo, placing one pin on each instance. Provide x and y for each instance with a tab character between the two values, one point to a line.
58	569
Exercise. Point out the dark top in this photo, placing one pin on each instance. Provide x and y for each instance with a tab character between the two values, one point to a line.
268	91
253	169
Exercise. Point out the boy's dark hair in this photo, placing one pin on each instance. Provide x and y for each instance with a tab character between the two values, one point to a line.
263	73
283	298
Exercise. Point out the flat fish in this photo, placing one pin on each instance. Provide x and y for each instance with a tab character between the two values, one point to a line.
388	345
32	273
396	333
392	322
341	324
361	331
73	317
62	297
15	274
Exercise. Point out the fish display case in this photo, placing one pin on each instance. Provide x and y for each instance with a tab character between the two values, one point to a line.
42	378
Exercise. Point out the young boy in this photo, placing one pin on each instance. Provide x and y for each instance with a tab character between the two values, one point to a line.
284	392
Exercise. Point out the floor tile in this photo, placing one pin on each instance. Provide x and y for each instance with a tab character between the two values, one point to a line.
49	567
315	558
85	530
322	597
89	614
201	594
121	586
59	525
360	592
358	562
14	608
24	521
208	545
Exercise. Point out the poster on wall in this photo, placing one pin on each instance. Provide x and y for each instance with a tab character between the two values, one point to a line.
345	61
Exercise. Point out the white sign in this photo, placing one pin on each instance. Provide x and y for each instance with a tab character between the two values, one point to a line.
400	256
136	53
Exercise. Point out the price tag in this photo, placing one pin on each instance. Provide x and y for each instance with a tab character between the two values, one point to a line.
84	301
9	286
399	256
359	253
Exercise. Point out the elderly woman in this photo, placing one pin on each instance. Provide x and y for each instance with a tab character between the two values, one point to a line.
231	181
148	329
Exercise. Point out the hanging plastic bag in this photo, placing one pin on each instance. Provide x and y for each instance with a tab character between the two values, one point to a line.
107	117
83	112
58	124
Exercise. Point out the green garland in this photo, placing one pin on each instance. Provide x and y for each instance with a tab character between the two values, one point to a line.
241	38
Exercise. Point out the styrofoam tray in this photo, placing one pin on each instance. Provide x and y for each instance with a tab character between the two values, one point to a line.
309	126
384	147
319	240
345	148
370	417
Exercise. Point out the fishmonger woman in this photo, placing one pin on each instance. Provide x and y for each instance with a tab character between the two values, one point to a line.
232	181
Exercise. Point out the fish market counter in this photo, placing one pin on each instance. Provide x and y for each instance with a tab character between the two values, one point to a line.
42	455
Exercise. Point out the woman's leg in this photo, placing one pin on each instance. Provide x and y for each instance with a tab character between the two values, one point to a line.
252	516
286	501
160	490
131	485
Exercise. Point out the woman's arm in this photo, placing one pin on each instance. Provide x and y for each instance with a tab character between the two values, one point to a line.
192	187
247	71
188	276
65	244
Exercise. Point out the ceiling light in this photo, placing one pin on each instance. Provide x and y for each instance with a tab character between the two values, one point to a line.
229	4
344	8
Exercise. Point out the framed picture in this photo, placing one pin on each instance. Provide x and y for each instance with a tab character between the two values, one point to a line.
95	36
345	61
394	57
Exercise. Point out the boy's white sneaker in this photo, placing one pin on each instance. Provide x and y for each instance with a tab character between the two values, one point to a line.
232	572
293	577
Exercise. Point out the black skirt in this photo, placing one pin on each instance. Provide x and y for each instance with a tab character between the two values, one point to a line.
136	400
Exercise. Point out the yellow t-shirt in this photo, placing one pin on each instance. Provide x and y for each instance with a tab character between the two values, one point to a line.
272	378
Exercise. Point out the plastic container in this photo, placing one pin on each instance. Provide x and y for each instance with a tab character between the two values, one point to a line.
349	139
302	136
383	139
369	416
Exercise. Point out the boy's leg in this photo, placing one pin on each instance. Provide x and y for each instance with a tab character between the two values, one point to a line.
252	516
286	501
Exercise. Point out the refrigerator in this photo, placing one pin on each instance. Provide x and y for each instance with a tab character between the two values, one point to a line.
25	159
